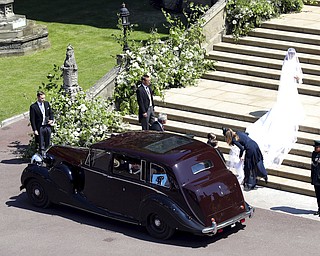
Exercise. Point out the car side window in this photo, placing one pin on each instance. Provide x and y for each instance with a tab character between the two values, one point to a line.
158	176
100	159
127	167
201	166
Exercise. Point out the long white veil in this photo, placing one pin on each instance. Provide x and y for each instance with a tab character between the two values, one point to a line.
276	131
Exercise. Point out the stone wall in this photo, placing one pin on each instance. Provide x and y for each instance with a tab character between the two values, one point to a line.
214	27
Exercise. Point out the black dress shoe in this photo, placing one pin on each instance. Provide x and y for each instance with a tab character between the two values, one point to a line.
317	213
266	179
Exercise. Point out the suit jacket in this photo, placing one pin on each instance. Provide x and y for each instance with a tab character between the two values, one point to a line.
315	168
143	100
156	126
36	117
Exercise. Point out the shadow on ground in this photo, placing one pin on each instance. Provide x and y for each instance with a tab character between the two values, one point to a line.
258	114
98	13
17	149
291	210
179	239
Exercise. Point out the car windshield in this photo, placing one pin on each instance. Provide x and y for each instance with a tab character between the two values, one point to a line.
168	144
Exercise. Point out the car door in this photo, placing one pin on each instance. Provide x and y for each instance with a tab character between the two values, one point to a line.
126	180
110	185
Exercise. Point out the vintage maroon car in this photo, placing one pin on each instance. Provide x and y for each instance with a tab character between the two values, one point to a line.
163	181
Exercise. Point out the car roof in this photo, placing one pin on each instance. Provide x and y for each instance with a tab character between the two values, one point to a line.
164	147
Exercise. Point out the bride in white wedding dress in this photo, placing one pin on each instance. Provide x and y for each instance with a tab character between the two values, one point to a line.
276	131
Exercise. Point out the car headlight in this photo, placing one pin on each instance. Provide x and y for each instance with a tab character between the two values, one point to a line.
36	159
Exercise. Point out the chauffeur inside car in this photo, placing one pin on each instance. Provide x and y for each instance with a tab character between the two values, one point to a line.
134	168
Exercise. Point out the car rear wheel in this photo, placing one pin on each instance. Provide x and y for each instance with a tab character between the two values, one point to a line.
158	228
37	194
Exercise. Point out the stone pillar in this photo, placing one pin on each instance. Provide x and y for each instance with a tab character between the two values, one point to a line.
70	73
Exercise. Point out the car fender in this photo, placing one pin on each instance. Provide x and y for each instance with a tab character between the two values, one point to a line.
62	176
170	211
57	181
34	171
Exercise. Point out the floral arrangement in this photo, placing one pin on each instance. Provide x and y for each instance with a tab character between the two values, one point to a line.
244	15
176	61
80	120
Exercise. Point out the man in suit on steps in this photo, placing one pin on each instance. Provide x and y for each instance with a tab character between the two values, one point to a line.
145	102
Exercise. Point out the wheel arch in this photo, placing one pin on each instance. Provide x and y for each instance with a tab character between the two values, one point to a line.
175	217
33	171
61	175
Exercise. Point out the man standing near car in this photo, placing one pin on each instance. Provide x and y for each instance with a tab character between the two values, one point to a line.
315	172
41	119
145	102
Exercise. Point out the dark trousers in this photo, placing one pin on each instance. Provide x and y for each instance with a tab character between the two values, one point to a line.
317	190
147	121
44	137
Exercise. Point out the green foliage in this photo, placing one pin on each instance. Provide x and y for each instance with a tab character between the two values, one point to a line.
88	26
80	120
245	15
287	6
175	62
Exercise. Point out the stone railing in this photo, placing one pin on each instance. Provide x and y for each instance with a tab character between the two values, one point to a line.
214	27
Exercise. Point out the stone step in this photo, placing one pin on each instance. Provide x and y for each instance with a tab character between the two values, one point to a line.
273	24
257	61
291	36
260	72
289	185
285	171
235	110
263	52
274	44
216	122
261	82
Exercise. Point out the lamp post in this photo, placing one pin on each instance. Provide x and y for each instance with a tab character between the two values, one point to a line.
124	14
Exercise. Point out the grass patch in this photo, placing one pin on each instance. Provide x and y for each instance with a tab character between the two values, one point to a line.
88	26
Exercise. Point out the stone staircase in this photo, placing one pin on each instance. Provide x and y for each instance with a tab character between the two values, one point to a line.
244	86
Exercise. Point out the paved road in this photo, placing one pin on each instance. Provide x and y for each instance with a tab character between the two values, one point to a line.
283	228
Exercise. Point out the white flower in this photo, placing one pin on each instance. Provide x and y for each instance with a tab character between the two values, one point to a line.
82	107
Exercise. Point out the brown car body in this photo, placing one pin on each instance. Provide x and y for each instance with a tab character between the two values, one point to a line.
179	183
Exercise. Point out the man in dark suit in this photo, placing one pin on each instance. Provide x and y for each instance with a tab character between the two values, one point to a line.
315	172
41	119
145	102
159	124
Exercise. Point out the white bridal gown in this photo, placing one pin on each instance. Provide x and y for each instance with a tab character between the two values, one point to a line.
276	131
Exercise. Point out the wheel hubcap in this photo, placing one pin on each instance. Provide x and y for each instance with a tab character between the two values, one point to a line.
37	192
157	222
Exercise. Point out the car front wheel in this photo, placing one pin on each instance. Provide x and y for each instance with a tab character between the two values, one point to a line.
37	194
158	228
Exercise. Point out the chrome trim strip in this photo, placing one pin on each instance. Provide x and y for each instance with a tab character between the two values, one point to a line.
214	228
144	184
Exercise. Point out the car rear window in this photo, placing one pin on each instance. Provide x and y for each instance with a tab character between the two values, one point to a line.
201	166
168	144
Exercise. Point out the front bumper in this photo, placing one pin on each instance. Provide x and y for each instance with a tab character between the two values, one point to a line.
215	227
